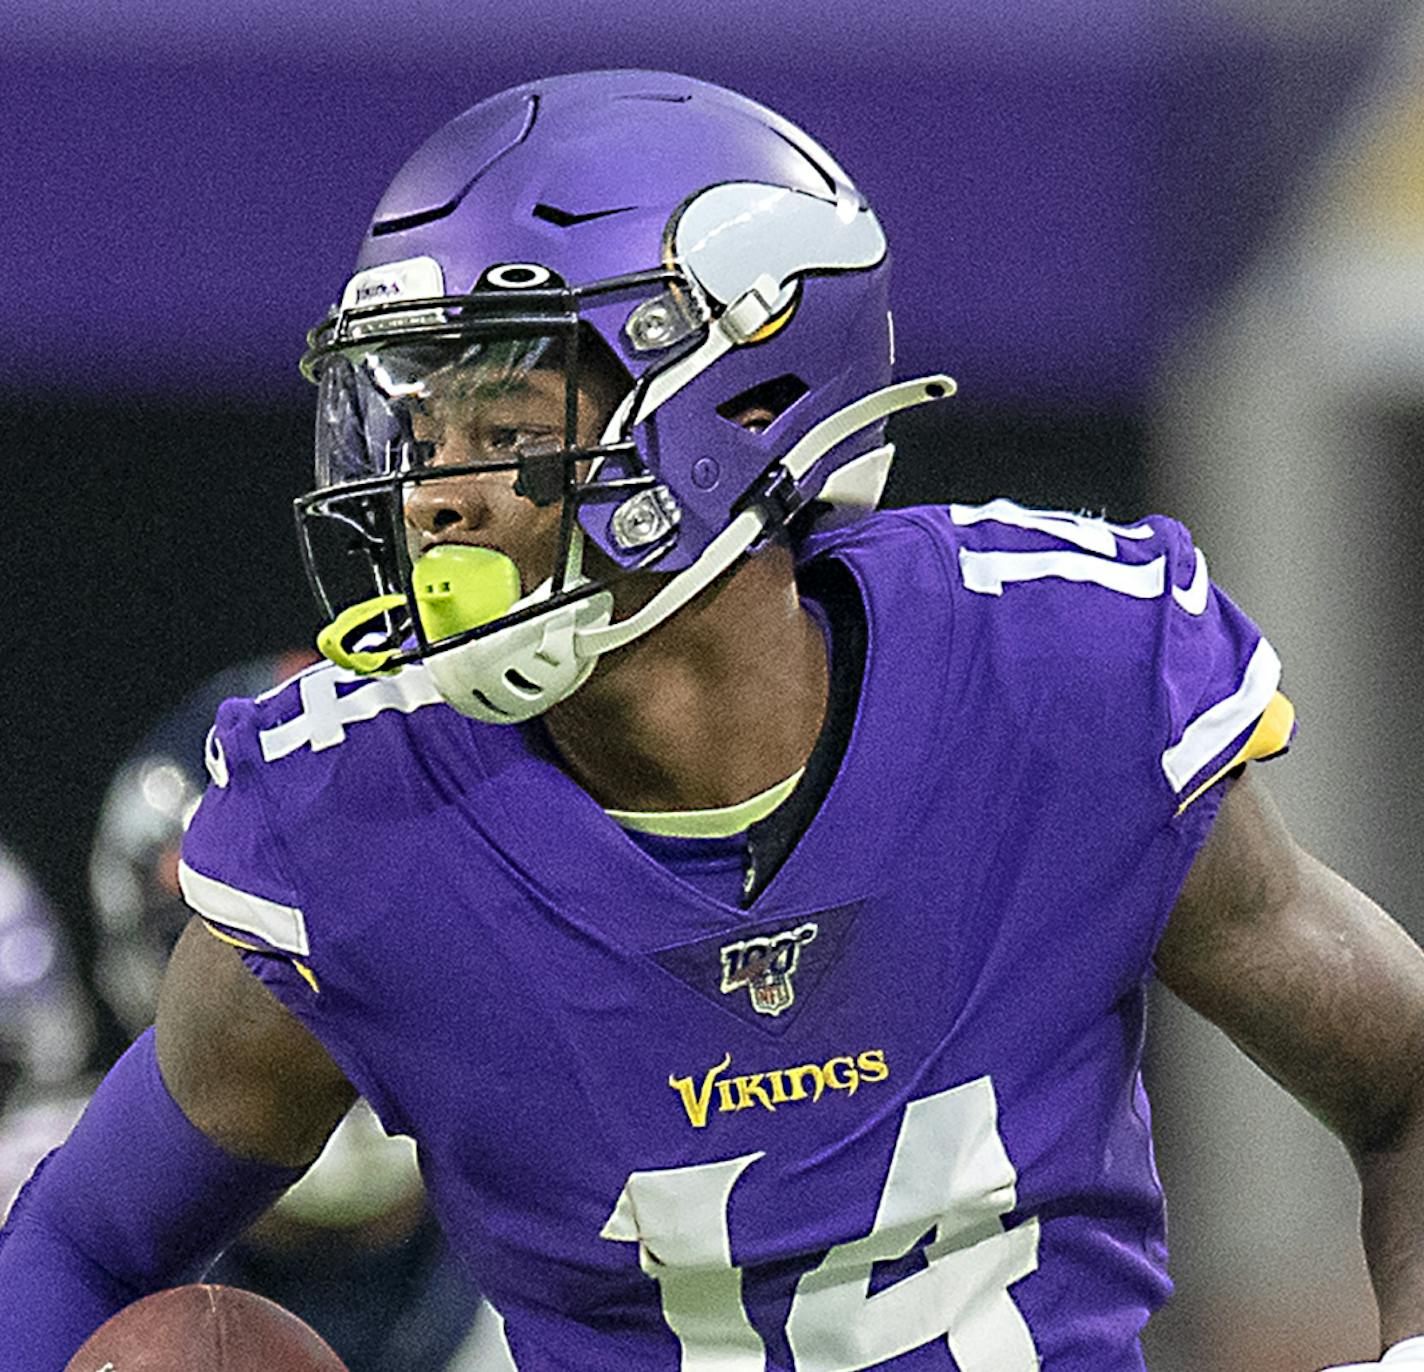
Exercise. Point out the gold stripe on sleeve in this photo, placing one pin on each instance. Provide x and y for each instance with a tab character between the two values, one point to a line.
1271	734
307	974
228	938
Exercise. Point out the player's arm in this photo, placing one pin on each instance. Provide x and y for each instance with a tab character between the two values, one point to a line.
243	1069
1325	992
182	1147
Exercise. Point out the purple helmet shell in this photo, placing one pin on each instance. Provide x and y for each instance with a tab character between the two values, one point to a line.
605	174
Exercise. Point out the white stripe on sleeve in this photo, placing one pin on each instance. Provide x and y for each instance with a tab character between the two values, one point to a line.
282	926
1216	726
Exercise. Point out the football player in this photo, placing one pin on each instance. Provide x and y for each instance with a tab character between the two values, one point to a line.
746	899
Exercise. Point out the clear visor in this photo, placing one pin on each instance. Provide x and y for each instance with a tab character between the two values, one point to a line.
401	425
453	401
495	386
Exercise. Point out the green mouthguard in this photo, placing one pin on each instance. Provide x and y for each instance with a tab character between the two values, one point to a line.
458	587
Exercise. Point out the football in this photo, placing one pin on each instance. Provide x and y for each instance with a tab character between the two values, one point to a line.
204	1328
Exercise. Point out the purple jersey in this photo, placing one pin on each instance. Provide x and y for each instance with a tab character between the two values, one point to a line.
890	1115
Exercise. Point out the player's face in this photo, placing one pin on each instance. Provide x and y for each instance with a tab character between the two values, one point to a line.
467	423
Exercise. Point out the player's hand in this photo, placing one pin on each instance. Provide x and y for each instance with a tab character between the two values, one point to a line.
1406	1356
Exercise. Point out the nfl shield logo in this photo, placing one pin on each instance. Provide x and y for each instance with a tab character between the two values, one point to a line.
765	967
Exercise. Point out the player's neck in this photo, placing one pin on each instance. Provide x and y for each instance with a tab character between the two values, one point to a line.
714	706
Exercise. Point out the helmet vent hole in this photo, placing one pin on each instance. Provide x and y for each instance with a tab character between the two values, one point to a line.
566	219
413	221
760	406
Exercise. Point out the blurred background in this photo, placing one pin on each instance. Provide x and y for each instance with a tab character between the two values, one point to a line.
1173	252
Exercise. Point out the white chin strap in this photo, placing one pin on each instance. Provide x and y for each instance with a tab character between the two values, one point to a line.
518	672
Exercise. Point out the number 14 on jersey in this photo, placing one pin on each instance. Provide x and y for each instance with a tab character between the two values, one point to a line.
949	1177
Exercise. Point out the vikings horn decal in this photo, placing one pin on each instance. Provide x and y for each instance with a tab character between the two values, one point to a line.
793	232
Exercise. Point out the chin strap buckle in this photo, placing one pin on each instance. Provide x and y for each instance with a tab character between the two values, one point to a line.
776	495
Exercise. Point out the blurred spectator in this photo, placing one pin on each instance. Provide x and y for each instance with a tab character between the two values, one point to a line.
46	1029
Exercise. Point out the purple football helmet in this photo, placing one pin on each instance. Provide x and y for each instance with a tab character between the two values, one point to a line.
707	247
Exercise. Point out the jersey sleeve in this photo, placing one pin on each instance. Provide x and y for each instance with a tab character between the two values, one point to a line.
1220	677
236	872
231	869
1119	651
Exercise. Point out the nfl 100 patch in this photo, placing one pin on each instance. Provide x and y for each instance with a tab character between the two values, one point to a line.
765	972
